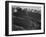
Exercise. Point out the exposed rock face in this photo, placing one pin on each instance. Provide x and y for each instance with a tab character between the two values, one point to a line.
24	20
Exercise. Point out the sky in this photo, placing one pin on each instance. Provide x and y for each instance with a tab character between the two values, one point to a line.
29	7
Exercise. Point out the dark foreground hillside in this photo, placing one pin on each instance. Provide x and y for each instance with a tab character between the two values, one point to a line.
24	20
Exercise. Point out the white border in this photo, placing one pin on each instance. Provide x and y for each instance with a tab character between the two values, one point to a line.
26	31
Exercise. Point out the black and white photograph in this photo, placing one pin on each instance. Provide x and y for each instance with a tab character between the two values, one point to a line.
24	18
